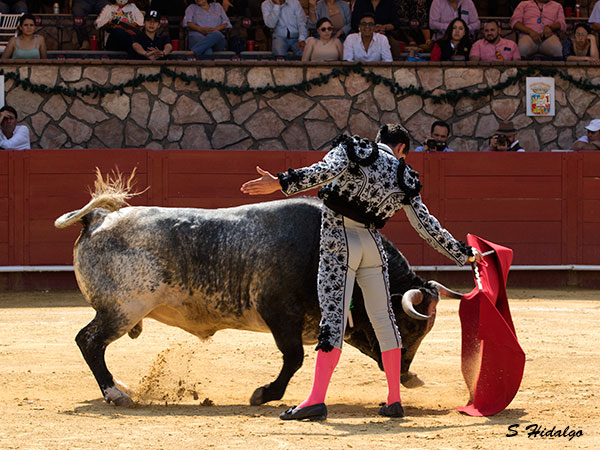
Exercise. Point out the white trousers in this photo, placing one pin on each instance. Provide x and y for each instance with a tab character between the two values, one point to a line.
351	251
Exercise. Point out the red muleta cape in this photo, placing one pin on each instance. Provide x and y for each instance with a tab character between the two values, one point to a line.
492	359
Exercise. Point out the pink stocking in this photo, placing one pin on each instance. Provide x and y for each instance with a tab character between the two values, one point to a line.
392	360
326	362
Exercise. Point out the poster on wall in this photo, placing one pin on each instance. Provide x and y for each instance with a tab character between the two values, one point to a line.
1	91
540	96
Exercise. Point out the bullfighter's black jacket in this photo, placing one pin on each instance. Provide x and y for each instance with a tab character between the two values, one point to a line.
365	182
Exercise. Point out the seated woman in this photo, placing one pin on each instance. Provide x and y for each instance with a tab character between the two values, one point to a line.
122	21
337	11
583	48
27	44
327	47
455	45
205	23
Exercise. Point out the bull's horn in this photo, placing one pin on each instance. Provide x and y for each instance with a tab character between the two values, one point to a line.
411	298
443	290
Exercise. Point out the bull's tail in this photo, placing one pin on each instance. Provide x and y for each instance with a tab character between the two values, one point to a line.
111	193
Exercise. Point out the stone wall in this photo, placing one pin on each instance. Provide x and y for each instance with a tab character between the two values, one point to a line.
171	114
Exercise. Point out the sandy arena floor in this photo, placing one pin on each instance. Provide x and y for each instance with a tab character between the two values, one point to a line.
194	395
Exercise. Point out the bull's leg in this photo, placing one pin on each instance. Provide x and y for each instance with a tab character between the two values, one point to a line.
92	341
288	338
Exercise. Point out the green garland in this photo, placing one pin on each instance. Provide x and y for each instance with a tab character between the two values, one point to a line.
450	96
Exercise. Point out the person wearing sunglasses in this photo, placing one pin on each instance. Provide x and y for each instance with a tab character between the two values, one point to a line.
337	11
538	22
367	45
327	47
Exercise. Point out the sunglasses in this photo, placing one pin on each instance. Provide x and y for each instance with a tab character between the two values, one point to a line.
367	24
326	29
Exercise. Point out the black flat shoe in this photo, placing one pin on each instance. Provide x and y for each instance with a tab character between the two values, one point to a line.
312	413
393	410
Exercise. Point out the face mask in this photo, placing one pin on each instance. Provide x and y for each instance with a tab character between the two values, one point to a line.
122	2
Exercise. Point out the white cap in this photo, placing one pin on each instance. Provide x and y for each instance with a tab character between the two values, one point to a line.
594	125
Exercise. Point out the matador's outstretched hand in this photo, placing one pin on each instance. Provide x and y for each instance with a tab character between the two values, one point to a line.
266	184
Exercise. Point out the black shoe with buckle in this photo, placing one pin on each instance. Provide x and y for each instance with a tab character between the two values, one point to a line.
312	413
393	410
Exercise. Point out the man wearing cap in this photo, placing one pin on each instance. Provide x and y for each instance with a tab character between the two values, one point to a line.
493	47
591	141
505	139
147	44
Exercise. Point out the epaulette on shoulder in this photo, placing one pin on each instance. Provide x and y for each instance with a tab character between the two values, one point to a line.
360	151
408	180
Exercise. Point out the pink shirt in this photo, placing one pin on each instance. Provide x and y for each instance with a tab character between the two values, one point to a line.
487	52
528	12
441	14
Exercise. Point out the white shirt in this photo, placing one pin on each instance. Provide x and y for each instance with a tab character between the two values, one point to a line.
18	141
287	20
379	49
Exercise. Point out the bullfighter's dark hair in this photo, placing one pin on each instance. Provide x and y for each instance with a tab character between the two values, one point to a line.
393	134
9	109
440	123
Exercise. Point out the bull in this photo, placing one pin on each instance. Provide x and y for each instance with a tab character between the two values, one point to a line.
252	267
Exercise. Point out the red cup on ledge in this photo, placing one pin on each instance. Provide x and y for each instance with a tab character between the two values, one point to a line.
568	12
175	44
250	46
94	43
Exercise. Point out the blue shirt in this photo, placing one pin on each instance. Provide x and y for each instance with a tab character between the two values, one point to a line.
212	18
420	149
288	21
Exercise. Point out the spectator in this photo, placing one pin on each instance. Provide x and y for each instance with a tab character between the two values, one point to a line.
493	47
594	20
583	48
505	139
537	22
12	136
206	23
288	21
326	48
27	44
121	21
171	8
82	8
591	141
386	20
442	12
13	7
438	140
337	11
415	13
367	45
146	44
455	45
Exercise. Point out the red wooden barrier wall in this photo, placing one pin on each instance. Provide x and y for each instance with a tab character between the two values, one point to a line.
546	206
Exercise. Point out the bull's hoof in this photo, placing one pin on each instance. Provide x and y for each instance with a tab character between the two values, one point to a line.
258	398
411	380
117	397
